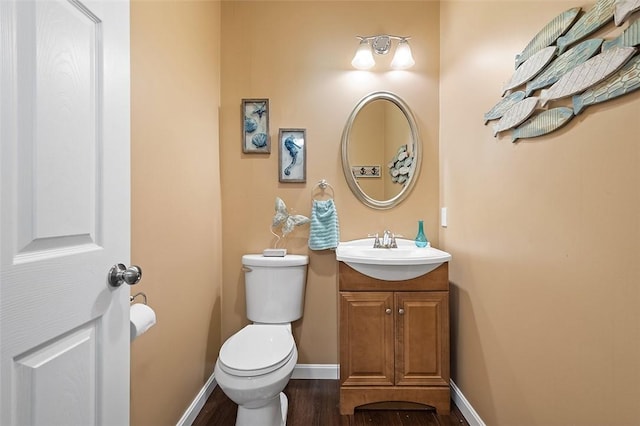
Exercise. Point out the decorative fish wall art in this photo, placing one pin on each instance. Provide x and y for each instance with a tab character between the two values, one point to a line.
624	81
530	68
564	63
630	37
623	9
549	34
587	74
575	78
503	106
543	123
599	15
516	115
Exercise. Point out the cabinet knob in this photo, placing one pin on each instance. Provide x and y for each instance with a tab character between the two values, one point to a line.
401	311
388	311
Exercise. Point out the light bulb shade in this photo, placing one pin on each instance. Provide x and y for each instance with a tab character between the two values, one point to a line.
363	59
402	58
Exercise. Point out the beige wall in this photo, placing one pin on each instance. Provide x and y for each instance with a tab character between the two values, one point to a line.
176	216
545	237
545	234
298	55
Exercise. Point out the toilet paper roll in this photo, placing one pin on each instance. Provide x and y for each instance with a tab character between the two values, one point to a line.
142	318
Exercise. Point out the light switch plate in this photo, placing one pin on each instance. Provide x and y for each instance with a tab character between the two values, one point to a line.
443	217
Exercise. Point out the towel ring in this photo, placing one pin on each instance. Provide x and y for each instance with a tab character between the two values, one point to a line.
323	185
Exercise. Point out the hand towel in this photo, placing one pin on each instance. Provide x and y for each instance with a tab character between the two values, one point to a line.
324	230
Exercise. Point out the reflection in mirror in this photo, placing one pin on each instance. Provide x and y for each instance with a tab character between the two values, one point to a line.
381	150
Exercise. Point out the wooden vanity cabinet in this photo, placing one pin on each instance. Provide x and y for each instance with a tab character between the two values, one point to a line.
394	340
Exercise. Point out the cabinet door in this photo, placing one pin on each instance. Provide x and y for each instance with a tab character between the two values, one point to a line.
422	343
366	338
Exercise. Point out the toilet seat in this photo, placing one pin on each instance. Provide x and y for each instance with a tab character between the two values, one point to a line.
256	349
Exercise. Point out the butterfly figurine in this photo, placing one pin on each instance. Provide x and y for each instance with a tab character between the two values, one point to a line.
286	220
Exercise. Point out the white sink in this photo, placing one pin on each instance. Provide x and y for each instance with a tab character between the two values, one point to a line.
390	264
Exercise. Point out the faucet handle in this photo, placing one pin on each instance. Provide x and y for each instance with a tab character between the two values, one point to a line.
394	244
376	241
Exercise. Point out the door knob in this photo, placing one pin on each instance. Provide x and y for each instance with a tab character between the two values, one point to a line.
387	311
401	311
119	274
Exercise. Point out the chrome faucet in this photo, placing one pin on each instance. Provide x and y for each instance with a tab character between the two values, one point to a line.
388	240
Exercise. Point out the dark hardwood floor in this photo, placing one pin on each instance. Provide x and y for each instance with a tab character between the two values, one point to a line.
315	403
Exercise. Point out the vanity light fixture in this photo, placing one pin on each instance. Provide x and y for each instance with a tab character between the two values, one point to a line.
381	45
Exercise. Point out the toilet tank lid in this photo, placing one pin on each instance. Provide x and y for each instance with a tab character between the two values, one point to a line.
288	260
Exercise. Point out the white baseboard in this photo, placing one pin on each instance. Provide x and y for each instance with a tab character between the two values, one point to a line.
465	407
301	371
194	409
321	372
316	371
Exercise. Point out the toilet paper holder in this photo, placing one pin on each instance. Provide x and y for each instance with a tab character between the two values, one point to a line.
144	297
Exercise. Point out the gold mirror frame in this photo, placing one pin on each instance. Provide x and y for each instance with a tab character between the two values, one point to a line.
417	146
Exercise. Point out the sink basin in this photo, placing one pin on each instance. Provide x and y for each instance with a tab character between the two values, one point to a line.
390	264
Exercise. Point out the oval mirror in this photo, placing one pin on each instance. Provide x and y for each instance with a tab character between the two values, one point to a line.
381	150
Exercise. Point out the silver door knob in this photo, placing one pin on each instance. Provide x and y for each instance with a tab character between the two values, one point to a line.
120	274
387	311
401	311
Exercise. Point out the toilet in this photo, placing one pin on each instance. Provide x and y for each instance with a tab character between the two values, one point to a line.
255	364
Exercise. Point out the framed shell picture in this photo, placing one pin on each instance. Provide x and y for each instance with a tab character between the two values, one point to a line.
292	155
255	126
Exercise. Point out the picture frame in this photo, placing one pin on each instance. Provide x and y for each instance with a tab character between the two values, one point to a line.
255	126
292	155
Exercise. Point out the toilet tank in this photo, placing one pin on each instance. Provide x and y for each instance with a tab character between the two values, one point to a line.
274	287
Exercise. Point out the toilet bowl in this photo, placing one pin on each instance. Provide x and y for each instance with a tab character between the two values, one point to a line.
256	363
253	368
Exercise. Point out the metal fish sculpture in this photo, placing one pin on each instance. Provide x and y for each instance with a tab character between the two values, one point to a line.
516	115
547	35
503	106
596	17
530	68
587	74
629	37
624	9
543	123
563	64
626	80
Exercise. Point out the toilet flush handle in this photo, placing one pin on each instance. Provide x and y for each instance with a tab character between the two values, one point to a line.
246	269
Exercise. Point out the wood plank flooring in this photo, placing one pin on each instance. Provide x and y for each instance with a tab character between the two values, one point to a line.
315	403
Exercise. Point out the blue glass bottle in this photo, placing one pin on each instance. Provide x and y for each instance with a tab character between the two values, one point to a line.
421	238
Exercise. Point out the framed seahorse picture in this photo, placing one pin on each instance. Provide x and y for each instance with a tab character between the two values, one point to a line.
292	155
255	126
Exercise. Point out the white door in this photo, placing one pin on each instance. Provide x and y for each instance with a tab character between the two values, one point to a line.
64	214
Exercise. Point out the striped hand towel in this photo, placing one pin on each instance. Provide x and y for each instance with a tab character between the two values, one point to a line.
324	230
